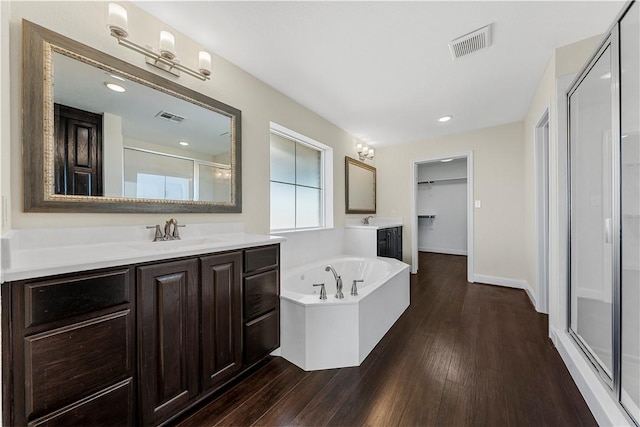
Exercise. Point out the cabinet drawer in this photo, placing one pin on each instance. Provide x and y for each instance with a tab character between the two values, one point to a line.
51	300
258	259
69	363
261	336
260	294
110	407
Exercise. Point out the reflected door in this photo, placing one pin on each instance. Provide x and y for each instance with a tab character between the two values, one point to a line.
592	215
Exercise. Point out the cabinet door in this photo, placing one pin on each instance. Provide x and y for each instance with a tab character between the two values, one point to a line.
383	247
167	338
221	311
398	239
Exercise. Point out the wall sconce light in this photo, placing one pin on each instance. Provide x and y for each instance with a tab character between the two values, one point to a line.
165	60
364	152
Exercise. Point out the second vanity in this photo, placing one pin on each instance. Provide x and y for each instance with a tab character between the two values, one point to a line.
128	332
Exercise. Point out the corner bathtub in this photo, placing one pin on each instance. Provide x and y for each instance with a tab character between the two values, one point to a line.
332	333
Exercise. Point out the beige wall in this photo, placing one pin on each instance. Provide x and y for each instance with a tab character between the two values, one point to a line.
498	154
259	103
565	62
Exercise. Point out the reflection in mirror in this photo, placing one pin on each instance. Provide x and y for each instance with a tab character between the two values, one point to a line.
102	135
360	191
116	137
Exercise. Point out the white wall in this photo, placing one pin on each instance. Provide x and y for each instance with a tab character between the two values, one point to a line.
260	104
112	154
498	152
447	232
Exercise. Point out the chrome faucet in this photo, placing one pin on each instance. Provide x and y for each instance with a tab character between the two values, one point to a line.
339	294
170	231
354	287
365	220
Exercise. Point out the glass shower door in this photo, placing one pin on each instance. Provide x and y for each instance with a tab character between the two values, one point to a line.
630	187
592	214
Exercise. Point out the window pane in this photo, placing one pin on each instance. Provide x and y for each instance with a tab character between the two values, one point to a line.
283	159
214	184
308	204
283	206
591	213
307	166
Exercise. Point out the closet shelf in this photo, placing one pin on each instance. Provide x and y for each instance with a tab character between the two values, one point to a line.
435	180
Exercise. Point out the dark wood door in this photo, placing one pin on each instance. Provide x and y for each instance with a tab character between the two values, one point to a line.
221	311
78	152
167	338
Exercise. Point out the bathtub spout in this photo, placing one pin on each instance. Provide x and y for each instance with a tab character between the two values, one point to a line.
339	294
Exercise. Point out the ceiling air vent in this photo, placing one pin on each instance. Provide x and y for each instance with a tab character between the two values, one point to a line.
472	42
170	116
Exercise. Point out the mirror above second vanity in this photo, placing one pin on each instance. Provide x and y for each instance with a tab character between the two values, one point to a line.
101	135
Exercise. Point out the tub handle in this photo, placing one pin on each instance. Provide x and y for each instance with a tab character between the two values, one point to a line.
323	291
354	287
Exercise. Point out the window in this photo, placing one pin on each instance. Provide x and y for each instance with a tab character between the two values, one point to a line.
301	181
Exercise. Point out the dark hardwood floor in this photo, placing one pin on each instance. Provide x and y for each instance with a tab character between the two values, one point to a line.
462	354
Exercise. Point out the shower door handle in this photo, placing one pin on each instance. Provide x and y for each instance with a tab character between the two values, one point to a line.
608	230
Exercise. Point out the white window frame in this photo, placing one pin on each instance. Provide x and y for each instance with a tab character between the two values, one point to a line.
326	158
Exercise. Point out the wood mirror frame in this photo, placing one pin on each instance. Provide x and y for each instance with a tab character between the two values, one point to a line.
38	122
356	185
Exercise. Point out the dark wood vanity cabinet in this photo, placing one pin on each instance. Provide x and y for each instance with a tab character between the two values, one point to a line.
136	345
261	285
72	353
167	338
221	318
390	242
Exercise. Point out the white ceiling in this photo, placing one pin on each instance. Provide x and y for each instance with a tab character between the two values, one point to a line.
382	70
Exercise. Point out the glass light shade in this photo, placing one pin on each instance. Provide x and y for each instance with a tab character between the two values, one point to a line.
204	62
117	21
365	150
359	148
371	153
167	45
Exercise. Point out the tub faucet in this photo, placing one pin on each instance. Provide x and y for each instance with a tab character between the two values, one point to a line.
339	294
365	220
354	287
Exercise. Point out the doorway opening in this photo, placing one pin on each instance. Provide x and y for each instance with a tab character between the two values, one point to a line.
541	165
430	179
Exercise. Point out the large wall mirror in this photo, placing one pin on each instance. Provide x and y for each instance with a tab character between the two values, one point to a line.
101	135
360	187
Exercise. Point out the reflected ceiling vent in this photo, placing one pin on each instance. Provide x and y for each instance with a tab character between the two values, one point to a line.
469	43
170	116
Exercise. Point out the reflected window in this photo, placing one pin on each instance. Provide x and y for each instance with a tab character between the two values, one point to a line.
299	188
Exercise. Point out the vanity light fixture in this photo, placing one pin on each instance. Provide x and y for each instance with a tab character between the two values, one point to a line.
166	60
364	152
445	119
115	87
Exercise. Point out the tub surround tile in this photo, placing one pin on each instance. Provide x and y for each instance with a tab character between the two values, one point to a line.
31	253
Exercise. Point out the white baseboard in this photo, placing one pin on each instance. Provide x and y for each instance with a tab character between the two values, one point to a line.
598	397
443	251
508	283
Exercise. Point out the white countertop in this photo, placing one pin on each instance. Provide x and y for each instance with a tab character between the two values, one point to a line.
374	223
27	256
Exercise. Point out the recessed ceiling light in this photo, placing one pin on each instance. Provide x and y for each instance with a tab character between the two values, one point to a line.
445	118
183	143
114	87
117	77
445	160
